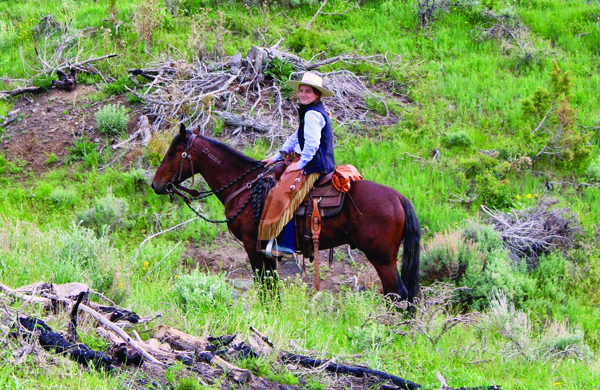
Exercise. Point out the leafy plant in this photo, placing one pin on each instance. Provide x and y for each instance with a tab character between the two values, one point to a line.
83	150
107	212
201	292
112	119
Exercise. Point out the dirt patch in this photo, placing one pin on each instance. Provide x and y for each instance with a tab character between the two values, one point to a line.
226	255
50	122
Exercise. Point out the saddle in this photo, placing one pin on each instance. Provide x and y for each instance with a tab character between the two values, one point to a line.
329	202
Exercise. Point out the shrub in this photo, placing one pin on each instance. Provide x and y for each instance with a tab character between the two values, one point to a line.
593	171
118	87
458	139
83	150
447	257
63	197
112	119
493	192
42	81
200	291
493	271
108	213
83	255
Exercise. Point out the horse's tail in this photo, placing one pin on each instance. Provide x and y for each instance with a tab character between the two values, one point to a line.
412	249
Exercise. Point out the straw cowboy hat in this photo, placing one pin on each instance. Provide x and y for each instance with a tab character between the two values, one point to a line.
313	80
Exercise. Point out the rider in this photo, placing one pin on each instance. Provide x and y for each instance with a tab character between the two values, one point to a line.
313	143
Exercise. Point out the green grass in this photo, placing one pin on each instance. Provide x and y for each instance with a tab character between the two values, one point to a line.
467	94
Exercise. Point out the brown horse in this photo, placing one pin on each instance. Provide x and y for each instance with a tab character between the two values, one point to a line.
376	220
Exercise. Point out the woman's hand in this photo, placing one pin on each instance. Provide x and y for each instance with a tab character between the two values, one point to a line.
268	161
293	167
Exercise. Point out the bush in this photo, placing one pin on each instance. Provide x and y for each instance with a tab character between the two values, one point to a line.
63	197
118	87
108	213
83	150
203	292
83	255
493	271
592	172
112	119
458	139
447	257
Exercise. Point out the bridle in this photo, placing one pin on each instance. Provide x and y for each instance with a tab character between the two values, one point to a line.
175	189
172	188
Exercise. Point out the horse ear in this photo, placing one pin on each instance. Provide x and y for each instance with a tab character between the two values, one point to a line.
182	131
197	131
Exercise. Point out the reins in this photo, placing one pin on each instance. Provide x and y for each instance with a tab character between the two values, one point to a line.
173	189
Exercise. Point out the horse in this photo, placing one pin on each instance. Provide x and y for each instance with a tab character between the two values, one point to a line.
376	221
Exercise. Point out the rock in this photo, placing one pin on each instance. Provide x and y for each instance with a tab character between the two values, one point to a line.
235	63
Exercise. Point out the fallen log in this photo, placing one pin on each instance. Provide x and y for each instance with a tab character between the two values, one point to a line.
51	341
243	121
178	339
343	369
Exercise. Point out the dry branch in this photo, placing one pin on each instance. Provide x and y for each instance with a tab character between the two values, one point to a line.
181	91
243	121
528	233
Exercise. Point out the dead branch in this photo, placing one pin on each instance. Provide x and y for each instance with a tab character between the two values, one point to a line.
341	13
181	91
343	369
543	120
243	121
137	253
307	27
528	233
21	90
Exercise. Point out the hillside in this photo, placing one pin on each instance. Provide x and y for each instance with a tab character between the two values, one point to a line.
483	113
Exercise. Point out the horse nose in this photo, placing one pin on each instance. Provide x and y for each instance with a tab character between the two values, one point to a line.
152	185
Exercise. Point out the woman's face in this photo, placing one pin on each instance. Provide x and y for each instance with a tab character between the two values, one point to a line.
306	94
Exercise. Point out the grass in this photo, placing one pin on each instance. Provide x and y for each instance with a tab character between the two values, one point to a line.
467	94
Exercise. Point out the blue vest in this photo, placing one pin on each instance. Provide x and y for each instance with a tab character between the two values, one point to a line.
323	160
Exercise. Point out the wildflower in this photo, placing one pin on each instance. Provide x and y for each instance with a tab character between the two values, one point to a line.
557	383
146	264
176	276
528	196
234	294
120	285
245	307
519	196
536	195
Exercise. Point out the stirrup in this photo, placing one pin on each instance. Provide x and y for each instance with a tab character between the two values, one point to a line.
272	253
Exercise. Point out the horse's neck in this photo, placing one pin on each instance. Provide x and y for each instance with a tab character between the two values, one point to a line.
220	166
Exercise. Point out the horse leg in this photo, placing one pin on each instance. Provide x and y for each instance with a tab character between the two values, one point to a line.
390	279
264	269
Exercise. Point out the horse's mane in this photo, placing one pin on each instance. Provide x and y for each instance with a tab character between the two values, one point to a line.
231	150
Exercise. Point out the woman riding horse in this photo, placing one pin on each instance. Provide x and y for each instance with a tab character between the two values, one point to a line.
311	148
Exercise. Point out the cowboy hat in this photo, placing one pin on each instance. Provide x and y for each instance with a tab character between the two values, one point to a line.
312	80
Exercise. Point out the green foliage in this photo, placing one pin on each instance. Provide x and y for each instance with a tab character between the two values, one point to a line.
83	254
281	71
593	171
202	292
118	86
494	271
133	99
63	197
42	81
83	150
108	212
112	119
447	258
493	192
458	139
88	78
303	40
52	157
